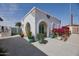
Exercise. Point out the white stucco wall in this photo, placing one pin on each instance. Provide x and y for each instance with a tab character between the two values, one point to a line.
74	29
7	31
37	16
40	16
31	20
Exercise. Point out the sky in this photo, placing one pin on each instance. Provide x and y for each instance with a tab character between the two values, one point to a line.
15	12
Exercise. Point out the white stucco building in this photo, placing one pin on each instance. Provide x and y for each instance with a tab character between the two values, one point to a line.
38	21
5	29
74	29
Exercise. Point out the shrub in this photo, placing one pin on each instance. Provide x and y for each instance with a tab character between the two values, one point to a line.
61	31
2	51
30	37
40	38
54	34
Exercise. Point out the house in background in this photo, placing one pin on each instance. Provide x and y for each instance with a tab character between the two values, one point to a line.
74	29
8	30
5	29
38	21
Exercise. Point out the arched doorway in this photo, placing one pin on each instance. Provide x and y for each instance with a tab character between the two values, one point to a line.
43	28
28	29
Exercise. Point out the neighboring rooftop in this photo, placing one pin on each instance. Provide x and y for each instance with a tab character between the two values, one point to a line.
73	25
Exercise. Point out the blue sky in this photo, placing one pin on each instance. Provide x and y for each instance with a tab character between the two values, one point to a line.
15	12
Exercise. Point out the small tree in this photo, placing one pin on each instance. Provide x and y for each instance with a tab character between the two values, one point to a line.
18	24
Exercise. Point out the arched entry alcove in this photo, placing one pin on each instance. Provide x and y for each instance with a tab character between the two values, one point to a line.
43	28
28	28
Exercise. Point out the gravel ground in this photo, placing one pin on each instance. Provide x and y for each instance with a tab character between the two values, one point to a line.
56	47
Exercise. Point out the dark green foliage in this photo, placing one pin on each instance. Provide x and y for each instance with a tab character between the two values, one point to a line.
19	30
54	35
45	41
30	37
18	24
2	51
40	38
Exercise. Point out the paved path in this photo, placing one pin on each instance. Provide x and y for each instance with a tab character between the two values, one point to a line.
56	47
7	37
17	46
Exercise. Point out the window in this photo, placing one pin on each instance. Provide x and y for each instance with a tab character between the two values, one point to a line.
41	28
48	16
2	28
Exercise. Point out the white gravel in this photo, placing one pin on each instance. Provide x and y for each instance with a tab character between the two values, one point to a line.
56	47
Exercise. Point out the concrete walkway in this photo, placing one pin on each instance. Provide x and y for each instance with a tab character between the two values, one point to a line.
18	46
7	37
56	47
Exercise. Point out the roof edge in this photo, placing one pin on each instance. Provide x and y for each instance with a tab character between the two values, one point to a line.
41	11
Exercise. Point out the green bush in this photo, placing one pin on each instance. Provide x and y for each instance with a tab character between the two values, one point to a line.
40	38
2	51
54	35
30	37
